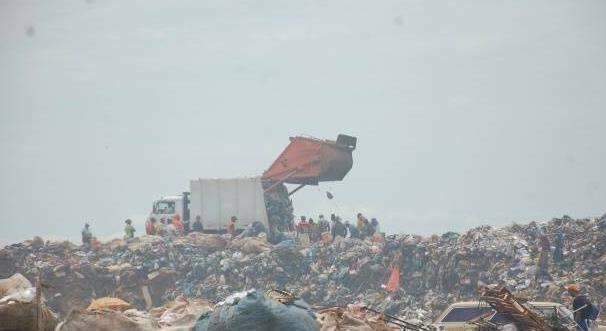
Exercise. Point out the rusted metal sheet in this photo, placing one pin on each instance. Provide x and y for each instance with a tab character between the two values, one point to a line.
503	301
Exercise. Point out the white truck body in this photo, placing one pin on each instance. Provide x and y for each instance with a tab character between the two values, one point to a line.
217	200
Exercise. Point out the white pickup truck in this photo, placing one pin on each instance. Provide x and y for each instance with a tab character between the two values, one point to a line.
461	316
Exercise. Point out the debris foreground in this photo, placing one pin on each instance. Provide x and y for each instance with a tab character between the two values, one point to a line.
149	282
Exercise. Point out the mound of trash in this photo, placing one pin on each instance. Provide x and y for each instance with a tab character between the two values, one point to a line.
253	311
20	309
407	276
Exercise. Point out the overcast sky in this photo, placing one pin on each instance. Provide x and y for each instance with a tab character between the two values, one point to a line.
467	112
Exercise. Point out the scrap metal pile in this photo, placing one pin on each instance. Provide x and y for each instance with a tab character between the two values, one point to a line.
524	318
151	271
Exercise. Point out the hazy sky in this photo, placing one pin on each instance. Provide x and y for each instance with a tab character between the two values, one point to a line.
467	112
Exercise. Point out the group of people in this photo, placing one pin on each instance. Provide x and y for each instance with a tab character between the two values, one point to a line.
171	227
175	227
308	229
89	241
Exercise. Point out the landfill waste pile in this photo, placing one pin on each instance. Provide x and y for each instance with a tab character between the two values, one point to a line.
334	319
361	318
406	276
115	314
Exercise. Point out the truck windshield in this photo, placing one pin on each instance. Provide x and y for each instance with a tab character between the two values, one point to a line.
164	207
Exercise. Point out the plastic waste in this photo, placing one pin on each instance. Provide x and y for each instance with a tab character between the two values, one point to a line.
253	311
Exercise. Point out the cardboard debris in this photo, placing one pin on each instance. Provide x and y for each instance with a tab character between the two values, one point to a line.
104	320
18	308
352	319
14	284
109	303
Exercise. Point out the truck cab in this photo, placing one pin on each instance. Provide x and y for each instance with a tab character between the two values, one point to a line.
169	206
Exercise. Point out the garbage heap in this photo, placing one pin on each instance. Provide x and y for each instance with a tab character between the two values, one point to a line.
21	308
151	271
110	313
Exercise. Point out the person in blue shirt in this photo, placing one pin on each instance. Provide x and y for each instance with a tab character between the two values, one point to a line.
353	231
581	306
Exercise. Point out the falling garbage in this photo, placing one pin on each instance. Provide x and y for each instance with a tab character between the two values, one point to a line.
30	31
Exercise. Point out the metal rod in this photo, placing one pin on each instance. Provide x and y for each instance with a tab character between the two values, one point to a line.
281	180
296	189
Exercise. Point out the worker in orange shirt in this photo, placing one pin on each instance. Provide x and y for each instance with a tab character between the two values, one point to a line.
231	226
178	224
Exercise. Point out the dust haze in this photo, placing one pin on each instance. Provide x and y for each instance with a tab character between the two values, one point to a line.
467	113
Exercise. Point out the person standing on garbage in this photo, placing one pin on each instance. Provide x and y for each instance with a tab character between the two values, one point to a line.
171	230
197	226
314	231
304	231
150	226
581	307
161	227
87	236
375	225
353	231
323	224
368	229
360	224
338	228
302	226
129	229
558	253
543	265
333	224
231	226
179	227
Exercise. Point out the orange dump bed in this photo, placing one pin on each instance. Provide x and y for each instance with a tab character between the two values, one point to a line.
309	161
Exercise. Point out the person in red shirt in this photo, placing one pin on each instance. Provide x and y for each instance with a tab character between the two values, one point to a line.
150	226
302	226
178	224
231	226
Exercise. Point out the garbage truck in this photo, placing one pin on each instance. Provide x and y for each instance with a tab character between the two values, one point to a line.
265	198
